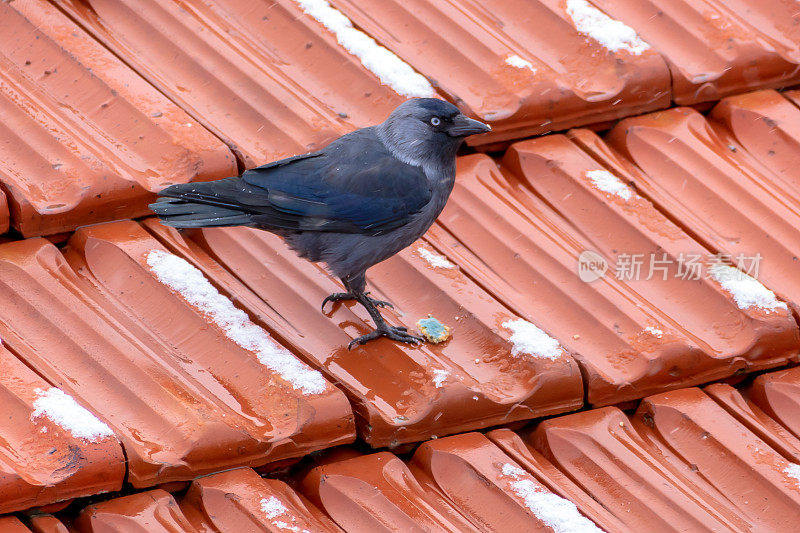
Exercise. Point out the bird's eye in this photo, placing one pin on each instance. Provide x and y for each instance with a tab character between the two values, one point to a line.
435	121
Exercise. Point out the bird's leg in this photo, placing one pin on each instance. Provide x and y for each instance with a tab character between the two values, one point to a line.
382	329
354	286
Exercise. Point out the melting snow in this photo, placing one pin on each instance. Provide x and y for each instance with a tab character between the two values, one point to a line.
613	34
272	508
62	409
746	291
530	340
608	182
654	331
557	513
434	259
793	470
391	70
439	377
180	276
518	62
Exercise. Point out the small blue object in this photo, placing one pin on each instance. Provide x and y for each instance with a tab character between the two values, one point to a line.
433	330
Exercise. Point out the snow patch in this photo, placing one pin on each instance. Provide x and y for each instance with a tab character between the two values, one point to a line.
654	331
272	508
389	68
793	471
62	409
556	512
439	377
434	259
746	291
517	62
180	276
608	182
528	339
612	34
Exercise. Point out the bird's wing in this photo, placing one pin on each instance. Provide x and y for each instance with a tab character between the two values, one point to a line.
355	184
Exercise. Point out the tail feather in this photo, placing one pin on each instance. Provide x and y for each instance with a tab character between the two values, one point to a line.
200	205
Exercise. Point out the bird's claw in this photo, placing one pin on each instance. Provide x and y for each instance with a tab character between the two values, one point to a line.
339	296
395	333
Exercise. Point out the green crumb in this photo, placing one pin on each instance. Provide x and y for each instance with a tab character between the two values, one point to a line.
433	330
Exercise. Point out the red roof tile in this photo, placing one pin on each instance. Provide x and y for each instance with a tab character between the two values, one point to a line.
514	244
604	454
465	47
83	138
42	523
376	492
44	459
695	435
717	48
266	78
10	524
469	382
491	489
5	221
177	415
241	500
697	174
154	511
778	394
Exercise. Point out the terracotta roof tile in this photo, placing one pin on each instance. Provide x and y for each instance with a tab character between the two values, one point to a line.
697	174
11	524
5	220
778	394
605	455
521	65
265	77
83	138
177	416
632	338
45	458
492	490
241	500
717	48
43	523
376	492
469	382
154	511
696	436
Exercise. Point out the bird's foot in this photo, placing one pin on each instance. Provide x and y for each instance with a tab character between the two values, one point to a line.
339	296
396	333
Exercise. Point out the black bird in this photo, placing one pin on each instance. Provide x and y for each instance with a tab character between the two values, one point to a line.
358	201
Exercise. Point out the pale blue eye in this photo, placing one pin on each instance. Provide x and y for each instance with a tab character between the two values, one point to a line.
435	121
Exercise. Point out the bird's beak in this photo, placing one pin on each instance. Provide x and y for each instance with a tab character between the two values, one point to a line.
464	126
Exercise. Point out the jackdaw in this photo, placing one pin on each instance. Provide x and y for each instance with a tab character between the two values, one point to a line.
358	201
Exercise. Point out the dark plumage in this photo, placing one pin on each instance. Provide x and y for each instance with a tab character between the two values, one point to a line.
353	204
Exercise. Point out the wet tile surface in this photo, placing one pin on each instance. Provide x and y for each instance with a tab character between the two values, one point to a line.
522	66
716	48
177	416
400	393
52	448
520	231
268	79
83	138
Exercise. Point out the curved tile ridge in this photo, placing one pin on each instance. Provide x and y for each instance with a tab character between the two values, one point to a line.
778	394
471	381
717	47
521	65
697	174
154	511
378	492
281	407
491	489
177	413
717	311
264	77
52	448
84	139
241	500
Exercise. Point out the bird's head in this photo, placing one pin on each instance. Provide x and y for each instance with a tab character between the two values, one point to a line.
428	129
